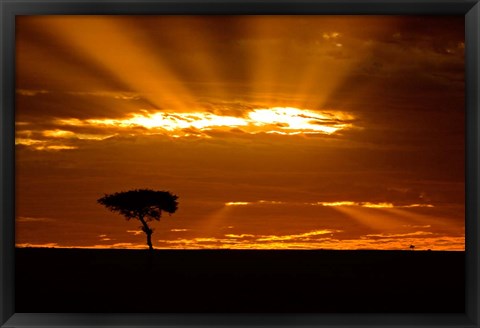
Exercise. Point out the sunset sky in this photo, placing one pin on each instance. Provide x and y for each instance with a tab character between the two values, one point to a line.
291	132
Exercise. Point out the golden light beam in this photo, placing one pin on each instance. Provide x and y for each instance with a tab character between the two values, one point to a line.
360	59
214	220
312	66
373	218
106	41
203	60
263	59
324	69
422	219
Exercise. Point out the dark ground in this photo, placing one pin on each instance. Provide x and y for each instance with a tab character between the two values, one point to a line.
75	280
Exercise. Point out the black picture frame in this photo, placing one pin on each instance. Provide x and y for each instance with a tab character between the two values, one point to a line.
9	9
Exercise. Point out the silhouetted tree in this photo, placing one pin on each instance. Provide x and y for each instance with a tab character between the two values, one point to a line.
412	247
144	205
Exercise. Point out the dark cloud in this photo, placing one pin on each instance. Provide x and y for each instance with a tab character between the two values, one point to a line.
81	105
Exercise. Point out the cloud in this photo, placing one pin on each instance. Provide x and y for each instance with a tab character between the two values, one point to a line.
30	93
135	232
110	94
103	246
246	240
33	219
400	235
421	240
299	237
417	226
330	204
287	119
73	133
371	205
237	203
22	245
243	235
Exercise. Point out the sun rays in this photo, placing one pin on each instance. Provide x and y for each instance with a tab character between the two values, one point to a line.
124	54
133	57
136	57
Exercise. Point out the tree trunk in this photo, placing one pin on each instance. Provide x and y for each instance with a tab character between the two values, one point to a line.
149	239
148	232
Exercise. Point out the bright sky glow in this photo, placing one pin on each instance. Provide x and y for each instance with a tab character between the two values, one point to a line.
237	203
175	121
281	120
276	120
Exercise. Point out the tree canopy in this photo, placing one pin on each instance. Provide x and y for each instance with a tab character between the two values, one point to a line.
141	203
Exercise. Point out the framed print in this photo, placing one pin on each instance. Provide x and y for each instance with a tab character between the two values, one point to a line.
201	163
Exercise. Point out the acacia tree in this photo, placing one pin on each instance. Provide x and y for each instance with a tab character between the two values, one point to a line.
144	205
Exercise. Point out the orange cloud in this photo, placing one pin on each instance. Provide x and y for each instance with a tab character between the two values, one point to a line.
330	204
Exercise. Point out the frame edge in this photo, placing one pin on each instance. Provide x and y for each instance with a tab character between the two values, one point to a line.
7	183
7	174
472	102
